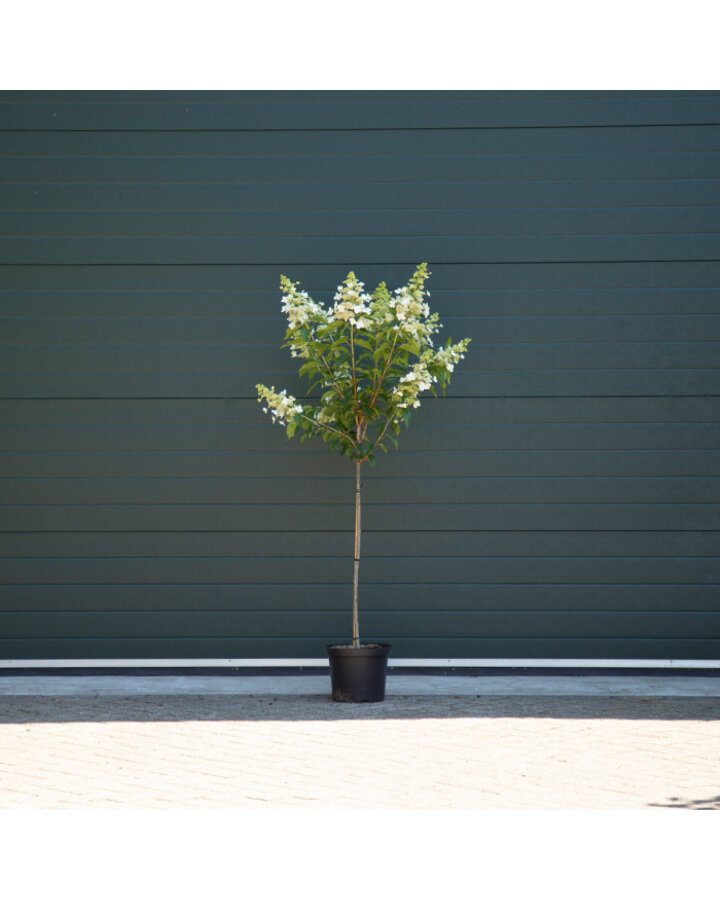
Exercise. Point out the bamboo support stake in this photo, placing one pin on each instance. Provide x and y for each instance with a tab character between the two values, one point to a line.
356	566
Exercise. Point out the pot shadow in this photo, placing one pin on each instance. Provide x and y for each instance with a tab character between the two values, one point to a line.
19	709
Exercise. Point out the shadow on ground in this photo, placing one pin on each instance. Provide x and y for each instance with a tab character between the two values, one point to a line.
679	803
179	708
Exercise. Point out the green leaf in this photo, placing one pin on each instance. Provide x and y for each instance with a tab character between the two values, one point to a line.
309	366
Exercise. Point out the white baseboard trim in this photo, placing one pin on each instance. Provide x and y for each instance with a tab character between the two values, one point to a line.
398	663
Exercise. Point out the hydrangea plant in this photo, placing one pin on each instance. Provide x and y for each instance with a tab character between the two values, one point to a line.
370	356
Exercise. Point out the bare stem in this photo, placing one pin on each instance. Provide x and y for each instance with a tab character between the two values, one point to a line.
389	421
384	372
354	374
330	373
356	564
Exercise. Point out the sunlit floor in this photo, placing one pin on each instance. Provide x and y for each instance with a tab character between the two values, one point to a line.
283	751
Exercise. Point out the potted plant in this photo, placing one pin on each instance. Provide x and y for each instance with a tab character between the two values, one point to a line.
369	356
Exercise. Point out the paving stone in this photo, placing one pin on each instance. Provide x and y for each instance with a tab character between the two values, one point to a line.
410	752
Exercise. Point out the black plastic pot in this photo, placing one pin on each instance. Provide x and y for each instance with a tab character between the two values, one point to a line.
357	674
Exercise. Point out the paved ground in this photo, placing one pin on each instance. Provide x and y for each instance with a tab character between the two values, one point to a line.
567	744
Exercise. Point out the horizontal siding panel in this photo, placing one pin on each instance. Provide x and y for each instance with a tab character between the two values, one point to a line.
402	647
330	170
239	359
446	410
637	598
569	383
513	312
262	437
239	334
323	144
331	250
361	223
485	625
319	516
380	544
470	277
321	570
475	463
685	190
462	109
67	491
154	97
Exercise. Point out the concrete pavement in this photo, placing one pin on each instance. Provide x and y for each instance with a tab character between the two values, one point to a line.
397	685
437	742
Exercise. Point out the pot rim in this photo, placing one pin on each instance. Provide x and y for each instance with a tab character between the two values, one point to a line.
375	648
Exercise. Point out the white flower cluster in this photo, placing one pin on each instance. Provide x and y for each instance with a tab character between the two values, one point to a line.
408	304
297	350
352	304
281	406
418	379
450	356
322	416
412	312
300	308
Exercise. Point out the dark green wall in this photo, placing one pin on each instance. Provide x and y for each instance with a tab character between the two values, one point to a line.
563	501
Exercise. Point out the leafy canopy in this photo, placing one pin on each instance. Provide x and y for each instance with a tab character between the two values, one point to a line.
369	355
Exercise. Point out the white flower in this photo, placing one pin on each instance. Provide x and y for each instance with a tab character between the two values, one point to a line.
351	302
450	356
322	416
299	308
418	379
282	406
412	314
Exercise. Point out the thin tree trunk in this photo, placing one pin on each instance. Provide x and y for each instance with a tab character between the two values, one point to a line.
356	566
